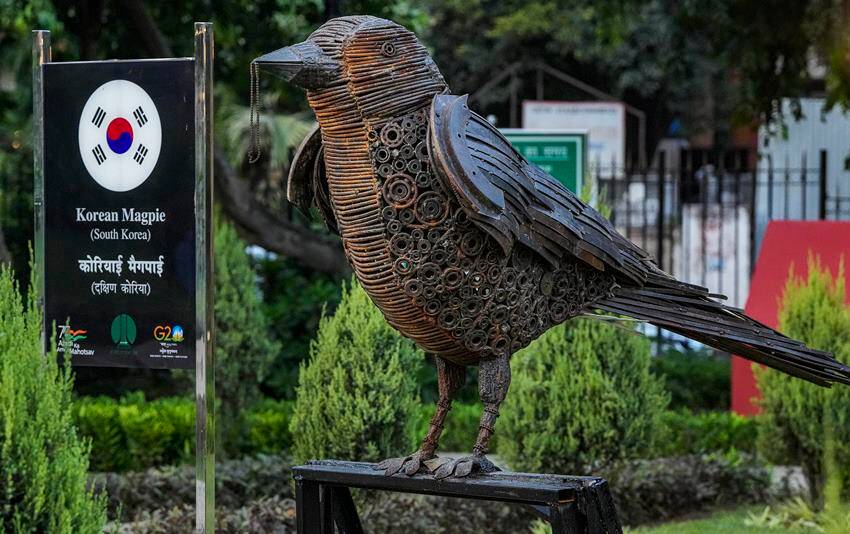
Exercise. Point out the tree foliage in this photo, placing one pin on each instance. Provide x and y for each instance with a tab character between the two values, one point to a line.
581	395
43	463
798	416
294	299
358	391
709	63
17	19
244	350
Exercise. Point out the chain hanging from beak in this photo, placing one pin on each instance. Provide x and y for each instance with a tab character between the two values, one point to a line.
254	114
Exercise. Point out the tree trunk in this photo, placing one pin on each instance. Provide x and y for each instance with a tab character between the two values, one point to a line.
259	226
5	255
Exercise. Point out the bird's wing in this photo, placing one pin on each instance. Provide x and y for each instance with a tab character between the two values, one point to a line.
308	184
515	201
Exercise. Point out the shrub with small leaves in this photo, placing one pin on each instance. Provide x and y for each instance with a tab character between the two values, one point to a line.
43	462
243	346
267	424
358	392
798	415
133	433
686	432
663	488
581	395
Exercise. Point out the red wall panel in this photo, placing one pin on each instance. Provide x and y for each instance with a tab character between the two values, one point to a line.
786	243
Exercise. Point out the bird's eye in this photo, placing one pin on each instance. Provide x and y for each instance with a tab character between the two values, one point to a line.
388	49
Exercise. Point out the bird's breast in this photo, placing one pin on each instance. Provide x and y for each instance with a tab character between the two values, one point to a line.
357	177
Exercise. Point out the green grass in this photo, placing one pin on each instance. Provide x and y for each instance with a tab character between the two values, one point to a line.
721	522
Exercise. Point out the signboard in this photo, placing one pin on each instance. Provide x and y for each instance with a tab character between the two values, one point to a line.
122	194
119	218
563	154
605	123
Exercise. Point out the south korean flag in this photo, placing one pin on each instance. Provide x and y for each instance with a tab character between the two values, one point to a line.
120	135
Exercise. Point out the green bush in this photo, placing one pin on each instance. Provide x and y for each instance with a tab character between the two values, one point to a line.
133	434
43	462
460	431
294	298
136	494
267	424
358	390
681	432
243	347
581	395
696	380
695	433
660	489
798	415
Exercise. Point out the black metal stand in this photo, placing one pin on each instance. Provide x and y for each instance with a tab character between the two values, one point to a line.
575	505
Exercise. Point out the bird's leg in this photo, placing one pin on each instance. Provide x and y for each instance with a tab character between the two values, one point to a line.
494	378
450	378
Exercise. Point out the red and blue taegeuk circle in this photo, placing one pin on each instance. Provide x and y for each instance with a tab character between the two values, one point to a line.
119	135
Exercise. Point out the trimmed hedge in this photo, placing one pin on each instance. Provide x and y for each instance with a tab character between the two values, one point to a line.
128	434
696	380
267	427
131	434
683	432
696	433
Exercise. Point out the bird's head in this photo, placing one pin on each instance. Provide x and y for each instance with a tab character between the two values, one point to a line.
382	66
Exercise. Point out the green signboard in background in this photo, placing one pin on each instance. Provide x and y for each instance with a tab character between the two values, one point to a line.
563	154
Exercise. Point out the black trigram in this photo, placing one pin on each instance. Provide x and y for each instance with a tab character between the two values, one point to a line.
141	118
99	115
141	152
98	154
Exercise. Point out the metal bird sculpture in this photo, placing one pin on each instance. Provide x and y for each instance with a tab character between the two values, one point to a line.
466	247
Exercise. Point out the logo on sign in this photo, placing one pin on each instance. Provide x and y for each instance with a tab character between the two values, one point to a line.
69	338
123	330
168	333
120	135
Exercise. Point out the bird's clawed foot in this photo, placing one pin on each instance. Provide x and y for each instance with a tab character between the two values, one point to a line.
477	463
408	465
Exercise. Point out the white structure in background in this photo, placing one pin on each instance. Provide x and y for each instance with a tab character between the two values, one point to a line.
816	131
605	123
717	255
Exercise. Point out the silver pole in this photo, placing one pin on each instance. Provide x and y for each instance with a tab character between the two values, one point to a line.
40	56
204	282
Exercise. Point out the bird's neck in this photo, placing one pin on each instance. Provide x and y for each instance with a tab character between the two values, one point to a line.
352	185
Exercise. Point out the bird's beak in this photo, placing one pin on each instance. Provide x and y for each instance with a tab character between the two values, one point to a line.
305	64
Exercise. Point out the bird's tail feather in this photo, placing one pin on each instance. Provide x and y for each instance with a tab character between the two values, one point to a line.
690	311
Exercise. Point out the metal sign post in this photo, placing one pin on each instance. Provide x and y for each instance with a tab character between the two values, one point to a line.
124	268
40	56
205	357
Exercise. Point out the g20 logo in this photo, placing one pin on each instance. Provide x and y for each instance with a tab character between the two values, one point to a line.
173	334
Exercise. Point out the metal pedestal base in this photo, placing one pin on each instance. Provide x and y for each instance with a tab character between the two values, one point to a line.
575	505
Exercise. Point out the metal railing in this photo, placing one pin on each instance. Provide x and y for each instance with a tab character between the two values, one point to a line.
702	214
